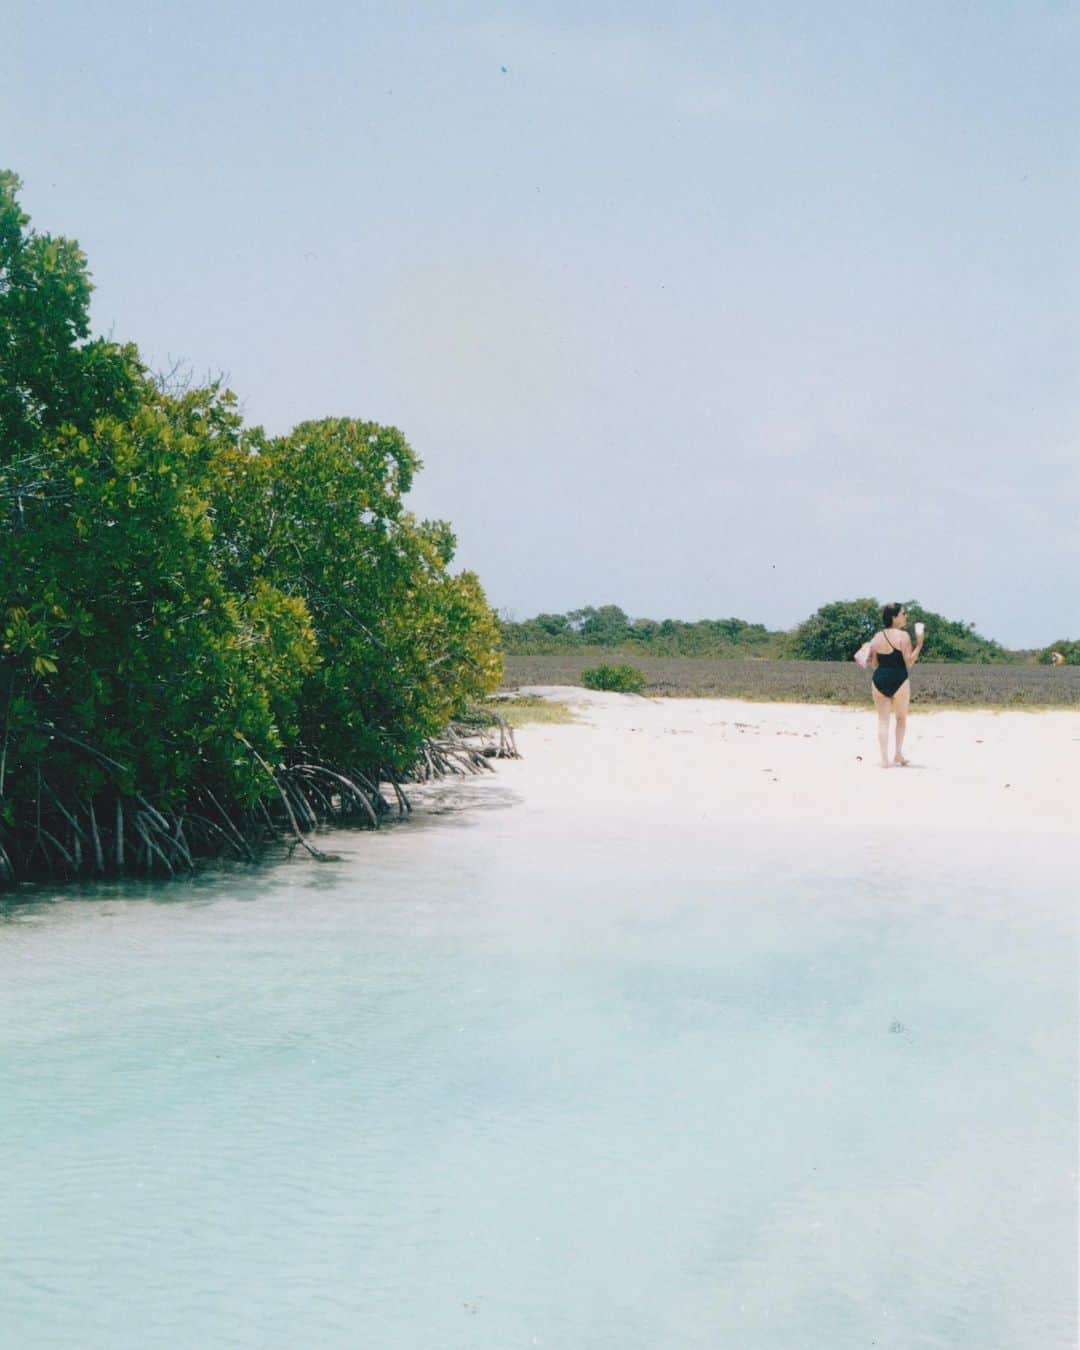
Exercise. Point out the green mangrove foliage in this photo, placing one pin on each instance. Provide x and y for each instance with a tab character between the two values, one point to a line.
201	627
51	374
404	646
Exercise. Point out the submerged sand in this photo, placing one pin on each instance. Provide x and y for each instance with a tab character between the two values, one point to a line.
800	764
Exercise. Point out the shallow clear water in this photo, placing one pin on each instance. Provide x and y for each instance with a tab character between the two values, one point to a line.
510	1078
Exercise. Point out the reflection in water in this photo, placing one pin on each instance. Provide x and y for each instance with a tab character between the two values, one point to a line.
510	1078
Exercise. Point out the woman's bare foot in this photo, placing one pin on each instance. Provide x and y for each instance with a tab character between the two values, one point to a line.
900	762
885	764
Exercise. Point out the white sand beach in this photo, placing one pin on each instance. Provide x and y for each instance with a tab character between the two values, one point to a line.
1007	773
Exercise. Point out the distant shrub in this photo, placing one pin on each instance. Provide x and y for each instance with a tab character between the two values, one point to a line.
836	630
619	679
1063	653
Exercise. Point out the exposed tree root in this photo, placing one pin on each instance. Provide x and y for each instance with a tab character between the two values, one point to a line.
115	833
284	795
466	747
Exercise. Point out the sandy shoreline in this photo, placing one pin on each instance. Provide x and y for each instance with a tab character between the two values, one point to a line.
1011	773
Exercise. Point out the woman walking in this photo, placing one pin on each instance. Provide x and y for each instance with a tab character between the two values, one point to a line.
891	657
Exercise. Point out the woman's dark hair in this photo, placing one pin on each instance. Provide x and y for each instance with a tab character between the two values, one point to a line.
888	613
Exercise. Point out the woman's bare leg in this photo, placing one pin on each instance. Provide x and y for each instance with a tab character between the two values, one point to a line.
884	707
901	699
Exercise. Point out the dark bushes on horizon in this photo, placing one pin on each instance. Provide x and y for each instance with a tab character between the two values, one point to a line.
609	626
832	633
837	630
1067	650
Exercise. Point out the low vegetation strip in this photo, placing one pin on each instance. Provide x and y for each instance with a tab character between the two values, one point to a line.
831	633
947	684
520	710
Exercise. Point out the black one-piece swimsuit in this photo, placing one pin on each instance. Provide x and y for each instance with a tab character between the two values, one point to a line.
891	671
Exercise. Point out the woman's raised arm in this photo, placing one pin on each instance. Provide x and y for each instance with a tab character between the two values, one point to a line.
911	654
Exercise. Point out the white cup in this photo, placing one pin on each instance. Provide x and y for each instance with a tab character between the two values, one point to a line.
920	629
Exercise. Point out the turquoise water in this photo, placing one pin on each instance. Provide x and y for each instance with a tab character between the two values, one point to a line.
508	1079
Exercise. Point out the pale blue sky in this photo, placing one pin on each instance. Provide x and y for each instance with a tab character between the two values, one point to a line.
726	309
